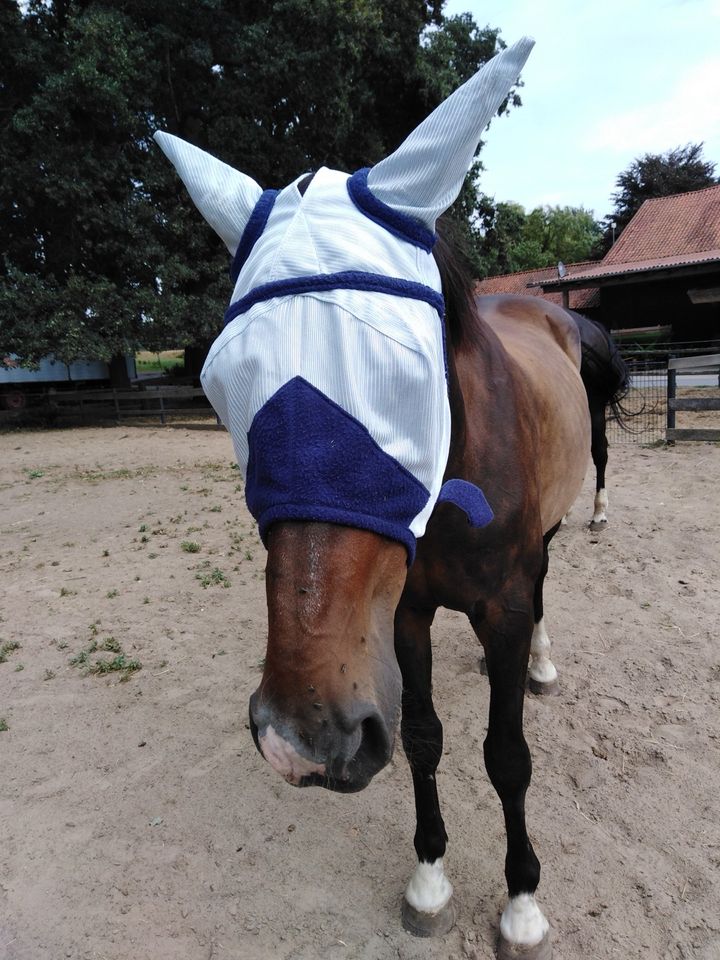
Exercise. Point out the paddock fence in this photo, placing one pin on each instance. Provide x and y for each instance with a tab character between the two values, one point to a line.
650	404
65	407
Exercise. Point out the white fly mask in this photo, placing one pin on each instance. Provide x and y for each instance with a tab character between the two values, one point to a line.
330	374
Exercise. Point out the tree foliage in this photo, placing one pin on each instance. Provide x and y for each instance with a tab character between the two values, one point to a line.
101	248
680	170
512	240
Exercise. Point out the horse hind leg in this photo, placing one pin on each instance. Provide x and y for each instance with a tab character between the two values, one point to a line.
524	931
542	674
599	450
428	908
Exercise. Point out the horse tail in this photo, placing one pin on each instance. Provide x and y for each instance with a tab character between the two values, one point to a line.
604	372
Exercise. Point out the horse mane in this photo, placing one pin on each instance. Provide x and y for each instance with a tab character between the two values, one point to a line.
458	283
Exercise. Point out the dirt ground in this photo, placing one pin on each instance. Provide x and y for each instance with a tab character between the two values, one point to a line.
137	821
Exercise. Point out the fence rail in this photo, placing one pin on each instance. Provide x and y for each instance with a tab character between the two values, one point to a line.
688	365
651	414
113	404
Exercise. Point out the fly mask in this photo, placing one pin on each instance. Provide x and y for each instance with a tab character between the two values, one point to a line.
330	373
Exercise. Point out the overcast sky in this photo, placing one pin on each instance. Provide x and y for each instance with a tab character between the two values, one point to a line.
607	81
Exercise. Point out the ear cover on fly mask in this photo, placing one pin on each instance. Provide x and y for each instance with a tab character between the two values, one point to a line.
423	177
223	195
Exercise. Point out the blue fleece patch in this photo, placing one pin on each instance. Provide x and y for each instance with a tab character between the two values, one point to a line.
253	230
470	499
310	460
344	280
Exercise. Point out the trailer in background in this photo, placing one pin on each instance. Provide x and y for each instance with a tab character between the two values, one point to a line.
19	386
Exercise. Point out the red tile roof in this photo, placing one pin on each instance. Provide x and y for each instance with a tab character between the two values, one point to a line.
676	226
518	283
677	231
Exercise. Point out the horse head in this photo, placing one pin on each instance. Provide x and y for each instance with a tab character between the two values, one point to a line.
330	376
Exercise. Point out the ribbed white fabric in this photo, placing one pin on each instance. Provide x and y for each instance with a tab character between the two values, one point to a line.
379	357
424	175
223	195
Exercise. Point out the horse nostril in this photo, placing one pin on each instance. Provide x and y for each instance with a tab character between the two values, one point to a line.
376	741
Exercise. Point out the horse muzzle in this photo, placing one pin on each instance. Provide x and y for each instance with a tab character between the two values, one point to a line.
340	750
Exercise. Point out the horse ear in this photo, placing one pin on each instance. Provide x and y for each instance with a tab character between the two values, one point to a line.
223	195
424	175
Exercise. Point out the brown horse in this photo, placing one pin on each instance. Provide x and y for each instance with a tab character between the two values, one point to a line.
349	624
348	408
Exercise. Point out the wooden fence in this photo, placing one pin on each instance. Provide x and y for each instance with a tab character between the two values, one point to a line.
708	364
116	404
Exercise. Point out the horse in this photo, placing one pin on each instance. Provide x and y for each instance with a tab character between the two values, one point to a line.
405	447
607	381
344	616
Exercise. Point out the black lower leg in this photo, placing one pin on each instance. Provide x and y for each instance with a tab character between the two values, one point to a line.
507	757
422	733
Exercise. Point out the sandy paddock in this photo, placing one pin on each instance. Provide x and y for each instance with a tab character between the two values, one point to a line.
137	821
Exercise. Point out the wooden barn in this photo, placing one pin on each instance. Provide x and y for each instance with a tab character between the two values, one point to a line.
663	272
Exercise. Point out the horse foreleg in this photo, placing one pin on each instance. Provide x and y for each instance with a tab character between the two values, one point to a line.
543	677
428	908
524	931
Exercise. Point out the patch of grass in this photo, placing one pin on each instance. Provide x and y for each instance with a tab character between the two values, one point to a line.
35	474
19	667
214	577
120	663
6	647
111	594
147	362
190	546
3	725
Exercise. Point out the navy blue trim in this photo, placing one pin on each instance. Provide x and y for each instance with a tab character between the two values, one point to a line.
253	228
345	280
470	499
309	459
399	224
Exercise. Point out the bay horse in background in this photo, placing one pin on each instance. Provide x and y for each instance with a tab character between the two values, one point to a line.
606	378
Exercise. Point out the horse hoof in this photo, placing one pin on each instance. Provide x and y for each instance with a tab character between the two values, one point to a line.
516	951
596	525
549	689
421	924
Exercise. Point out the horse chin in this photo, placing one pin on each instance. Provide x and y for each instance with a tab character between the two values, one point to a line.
337	785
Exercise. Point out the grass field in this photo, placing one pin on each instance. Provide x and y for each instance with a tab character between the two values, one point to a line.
148	362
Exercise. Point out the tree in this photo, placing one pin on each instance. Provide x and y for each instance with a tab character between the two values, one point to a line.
511	239
101	250
655	175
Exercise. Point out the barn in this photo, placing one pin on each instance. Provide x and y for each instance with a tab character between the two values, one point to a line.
663	272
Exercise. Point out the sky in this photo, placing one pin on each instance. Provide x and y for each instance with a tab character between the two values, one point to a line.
607	82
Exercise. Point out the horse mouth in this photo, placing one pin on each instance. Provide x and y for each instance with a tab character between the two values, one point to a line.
340	776
337	785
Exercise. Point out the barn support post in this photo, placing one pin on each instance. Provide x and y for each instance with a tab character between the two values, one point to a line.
671	393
